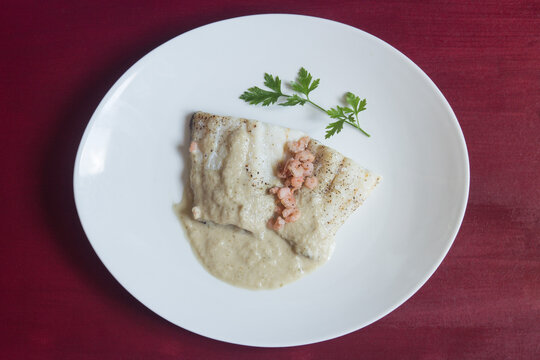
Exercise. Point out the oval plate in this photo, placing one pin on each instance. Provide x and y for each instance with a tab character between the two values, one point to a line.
130	171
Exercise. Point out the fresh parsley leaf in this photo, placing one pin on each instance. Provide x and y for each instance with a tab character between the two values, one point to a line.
357	104
334	113
255	95
338	112
293	100
334	128
303	85
362	106
270	82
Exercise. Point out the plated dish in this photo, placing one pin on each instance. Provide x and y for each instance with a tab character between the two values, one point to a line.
132	167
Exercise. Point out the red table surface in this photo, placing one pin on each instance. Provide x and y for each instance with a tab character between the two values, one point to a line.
60	57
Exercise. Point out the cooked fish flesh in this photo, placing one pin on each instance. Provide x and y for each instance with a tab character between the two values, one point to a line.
235	161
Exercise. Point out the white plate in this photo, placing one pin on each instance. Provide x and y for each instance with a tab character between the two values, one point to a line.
129	172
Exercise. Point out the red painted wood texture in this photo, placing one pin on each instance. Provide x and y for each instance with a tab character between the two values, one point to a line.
58	58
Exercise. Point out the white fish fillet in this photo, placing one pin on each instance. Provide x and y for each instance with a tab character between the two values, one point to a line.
236	163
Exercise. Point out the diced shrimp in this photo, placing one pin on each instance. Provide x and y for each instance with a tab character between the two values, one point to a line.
293	172
299	171
294	146
278	224
283	193
311	182
295	168
304	156
287	211
289	202
193	147
284	172
300	145
292	163
296	182
303	142
308	168
293	216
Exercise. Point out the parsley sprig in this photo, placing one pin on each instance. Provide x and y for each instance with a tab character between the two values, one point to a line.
304	85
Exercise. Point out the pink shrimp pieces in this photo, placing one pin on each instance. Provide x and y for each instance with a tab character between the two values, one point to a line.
311	182
295	172
300	145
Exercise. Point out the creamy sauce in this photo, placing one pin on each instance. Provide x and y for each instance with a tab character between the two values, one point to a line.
241	258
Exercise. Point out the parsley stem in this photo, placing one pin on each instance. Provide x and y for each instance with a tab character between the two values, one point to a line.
365	133
317	106
307	100
358	127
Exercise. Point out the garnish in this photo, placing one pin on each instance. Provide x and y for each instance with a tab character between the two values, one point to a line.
304	85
